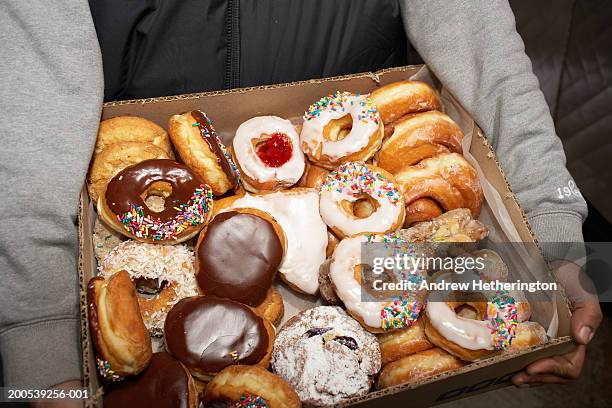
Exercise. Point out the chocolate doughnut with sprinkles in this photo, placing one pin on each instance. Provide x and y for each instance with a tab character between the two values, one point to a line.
187	209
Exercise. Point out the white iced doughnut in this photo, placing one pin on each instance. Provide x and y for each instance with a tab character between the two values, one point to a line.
324	134
268	153
355	181
297	212
375	316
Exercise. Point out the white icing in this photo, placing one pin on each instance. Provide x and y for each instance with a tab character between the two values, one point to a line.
298	214
251	165
357	139
467	333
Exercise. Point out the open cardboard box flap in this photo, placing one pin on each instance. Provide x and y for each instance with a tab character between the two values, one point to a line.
229	109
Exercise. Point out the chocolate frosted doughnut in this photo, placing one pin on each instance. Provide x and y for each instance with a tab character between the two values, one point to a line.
208	334
238	255
188	202
166	383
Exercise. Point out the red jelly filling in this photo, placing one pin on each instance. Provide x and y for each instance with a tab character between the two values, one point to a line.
275	151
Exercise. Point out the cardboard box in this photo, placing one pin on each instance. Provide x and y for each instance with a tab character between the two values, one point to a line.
230	108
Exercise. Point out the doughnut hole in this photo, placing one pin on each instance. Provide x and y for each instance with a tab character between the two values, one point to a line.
155	196
364	275
363	207
338	129
467	312
149	287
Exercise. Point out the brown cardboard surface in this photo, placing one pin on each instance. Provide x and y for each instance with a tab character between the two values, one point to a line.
229	109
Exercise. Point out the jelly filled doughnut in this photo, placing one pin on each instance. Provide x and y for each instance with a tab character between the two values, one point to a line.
326	356
250	386
419	136
187	208
238	255
200	148
339	128
162	274
448	179
131	129
208	334
121	340
404	97
417	366
166	383
267	150
347	276
354	182
297	212
401	343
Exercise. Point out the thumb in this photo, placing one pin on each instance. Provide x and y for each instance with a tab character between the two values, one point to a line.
585	320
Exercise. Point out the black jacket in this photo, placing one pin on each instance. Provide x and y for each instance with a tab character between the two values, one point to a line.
165	47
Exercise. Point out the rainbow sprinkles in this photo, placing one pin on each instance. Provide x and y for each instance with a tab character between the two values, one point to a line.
341	102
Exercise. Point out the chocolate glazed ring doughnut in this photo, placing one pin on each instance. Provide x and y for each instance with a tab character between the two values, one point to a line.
208	334
199	146
166	383
121	340
238	255
188	202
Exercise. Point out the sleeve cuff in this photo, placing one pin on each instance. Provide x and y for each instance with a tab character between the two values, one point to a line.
42	354
559	234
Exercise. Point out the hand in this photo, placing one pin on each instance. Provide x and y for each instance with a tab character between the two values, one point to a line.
65	403
585	320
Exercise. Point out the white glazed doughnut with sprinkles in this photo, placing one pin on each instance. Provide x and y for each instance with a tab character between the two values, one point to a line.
354	181
341	127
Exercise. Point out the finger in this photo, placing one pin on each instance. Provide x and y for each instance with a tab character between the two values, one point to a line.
586	318
537	380
567	366
519	379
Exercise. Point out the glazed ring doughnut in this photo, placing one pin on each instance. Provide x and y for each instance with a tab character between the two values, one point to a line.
121	340
354	182
401	343
401	98
200	148
419	136
238	255
188	202
345	271
268	153
122	129
416	367
492	329
448	179
162	274
339	128
250	386
116	157
208	334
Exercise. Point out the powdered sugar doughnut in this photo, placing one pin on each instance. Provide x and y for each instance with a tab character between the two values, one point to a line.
355	181
163	275
326	356
375	316
267	150
341	127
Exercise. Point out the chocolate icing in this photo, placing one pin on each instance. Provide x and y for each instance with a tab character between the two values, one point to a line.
209	134
238	257
126	188
164	384
208	334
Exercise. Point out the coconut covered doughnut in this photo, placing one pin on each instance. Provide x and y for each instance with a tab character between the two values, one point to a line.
404	97
326	356
123	346
267	150
122	129
341	127
447	179
377	316
353	182
200	148
188	202
163	275
297	212
419	136
242	386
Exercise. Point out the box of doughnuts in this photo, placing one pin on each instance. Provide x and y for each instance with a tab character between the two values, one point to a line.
252	248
